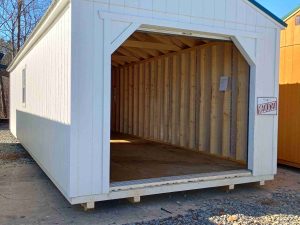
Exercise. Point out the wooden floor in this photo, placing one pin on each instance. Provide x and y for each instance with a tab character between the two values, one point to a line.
134	159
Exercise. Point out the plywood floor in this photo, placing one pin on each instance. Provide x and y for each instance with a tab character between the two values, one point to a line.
134	159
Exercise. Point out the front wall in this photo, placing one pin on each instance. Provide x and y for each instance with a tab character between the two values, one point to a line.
43	124
92	25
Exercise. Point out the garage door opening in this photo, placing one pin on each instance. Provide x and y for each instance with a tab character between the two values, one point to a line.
179	107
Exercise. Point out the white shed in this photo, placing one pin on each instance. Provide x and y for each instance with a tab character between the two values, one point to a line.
127	98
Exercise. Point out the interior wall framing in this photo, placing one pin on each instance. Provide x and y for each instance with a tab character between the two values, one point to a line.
175	99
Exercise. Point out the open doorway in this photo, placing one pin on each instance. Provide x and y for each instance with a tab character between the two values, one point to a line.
179	107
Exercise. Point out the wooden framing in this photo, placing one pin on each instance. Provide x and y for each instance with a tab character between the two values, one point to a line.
171	112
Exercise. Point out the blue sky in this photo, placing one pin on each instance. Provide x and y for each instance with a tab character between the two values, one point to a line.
280	7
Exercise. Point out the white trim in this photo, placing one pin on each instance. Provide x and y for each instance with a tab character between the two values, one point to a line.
106	107
149	28
179	185
173	24
123	36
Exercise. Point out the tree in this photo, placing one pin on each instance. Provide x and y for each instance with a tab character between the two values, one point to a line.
17	20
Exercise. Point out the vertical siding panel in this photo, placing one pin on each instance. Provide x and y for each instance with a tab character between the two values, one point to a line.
233	132
152	98
242	109
192	99
227	102
141	99
130	101
159	91
126	100
175	101
166	103
122	102
205	99
147	101
216	101
135	99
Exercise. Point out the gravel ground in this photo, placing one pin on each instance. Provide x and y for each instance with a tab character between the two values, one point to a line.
279	208
11	151
27	196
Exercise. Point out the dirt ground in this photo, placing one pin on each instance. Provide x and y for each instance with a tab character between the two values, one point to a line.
27	196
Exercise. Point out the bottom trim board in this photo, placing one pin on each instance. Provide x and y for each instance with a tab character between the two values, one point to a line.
130	191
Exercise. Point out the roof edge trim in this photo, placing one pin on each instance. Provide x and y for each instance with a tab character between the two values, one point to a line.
268	12
291	13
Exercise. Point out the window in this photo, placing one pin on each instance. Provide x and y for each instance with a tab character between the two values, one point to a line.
24	86
297	20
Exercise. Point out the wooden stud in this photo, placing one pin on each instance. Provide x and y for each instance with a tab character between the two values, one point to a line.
150	45
147	101
205	99
126	100
227	102
152	98
216	103
233	125
122	100
141	99
175	99
183	99
242	109
159	91
135	99
166	103
192	100
130	100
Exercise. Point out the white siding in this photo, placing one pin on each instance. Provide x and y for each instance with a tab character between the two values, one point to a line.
43	124
65	124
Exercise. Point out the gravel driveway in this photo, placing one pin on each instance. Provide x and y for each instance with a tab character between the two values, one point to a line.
27	196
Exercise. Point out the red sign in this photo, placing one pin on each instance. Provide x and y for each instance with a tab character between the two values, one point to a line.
267	106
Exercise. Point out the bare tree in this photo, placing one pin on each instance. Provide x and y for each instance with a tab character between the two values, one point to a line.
17	20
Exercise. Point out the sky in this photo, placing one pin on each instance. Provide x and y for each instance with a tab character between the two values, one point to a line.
280	7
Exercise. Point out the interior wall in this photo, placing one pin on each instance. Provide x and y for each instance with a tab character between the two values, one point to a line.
176	99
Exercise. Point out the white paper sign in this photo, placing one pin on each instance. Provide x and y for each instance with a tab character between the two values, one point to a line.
223	83
267	106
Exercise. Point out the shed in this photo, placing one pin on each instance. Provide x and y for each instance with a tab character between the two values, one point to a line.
289	110
127	98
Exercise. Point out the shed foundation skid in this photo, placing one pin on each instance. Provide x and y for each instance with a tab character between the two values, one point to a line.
123	99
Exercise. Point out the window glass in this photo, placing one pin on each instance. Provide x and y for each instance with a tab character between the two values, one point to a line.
297	20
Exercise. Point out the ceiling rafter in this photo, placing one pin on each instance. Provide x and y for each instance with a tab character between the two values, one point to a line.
150	45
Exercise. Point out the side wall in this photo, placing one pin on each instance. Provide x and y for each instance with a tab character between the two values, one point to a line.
176	99
289	110
43	124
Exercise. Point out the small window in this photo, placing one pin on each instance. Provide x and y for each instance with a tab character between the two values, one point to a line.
297	20
24	86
